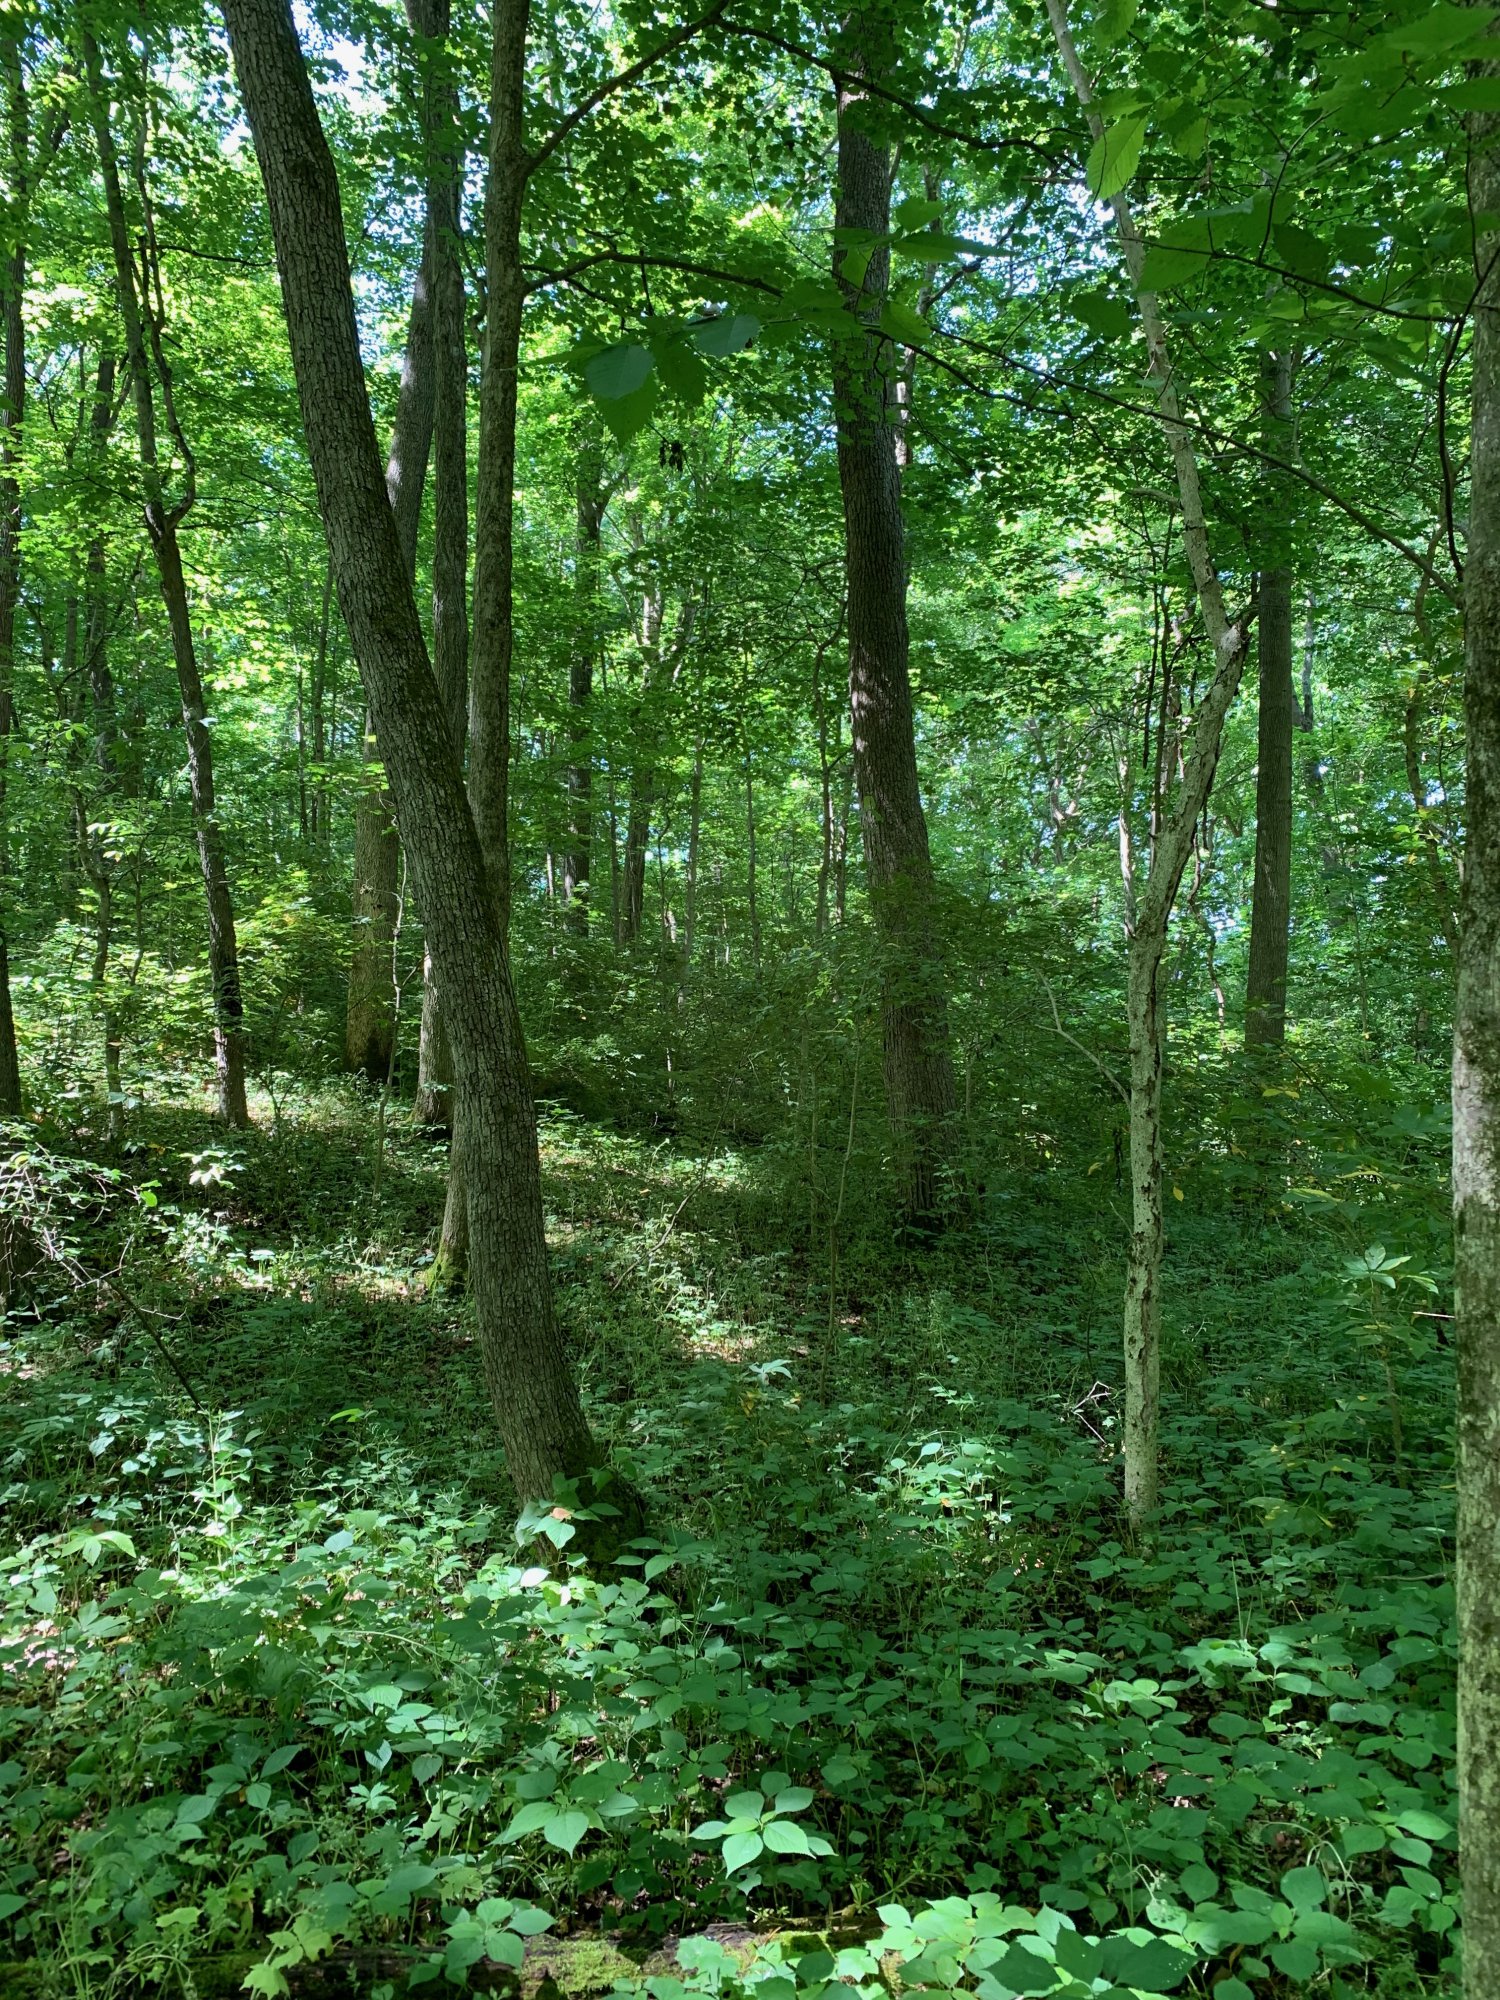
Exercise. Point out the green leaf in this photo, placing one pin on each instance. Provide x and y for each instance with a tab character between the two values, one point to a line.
729	334
783	1836
683	375
904	323
1114	158
1304	1888
1116	18
795	1799
409	1879
618	371
1426	1825
1301	251
565	1830
426	1767
1165	266
915	212
1297	1960
1108	317
745	1805
840	1770
1156	1967
279	1759
530	1819
740	1849
624	416
1198	1882
530	1921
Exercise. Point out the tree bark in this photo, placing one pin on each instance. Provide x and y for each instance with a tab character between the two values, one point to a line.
580	778
918	1063
13	278
526	1368
1476	1119
148	372
1270	909
370	1019
450	531
1171	849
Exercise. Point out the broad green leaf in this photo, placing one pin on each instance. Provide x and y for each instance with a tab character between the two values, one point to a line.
530	1819
684	375
624	416
618	371
1304	1888
530	1921
565	1830
1101	314
1114	158
1301	251
1295	1958
915	212
1115	19
783	1836
740	1849
729	334
794	1799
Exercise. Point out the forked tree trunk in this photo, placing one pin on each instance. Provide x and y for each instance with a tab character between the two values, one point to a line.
526	1368
370	1018
1271	906
1171	850
918	1062
1476	1121
147	370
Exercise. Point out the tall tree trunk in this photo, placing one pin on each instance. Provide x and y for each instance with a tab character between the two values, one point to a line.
1171	849
149	371
1476	1119
370	1018
13	278
642	768
580	779
918	1062
1270	910
526	1367
450	530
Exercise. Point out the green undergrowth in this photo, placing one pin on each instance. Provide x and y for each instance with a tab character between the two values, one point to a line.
886	1699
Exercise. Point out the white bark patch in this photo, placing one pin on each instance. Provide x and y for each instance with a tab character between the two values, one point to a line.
1475	1125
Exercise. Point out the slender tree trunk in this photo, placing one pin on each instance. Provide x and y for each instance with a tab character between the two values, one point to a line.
526	1367
580	779
162	522
690	880
918	1063
643	768
13	278
1171	849
1271	912
370	1018
450	534
1476	1120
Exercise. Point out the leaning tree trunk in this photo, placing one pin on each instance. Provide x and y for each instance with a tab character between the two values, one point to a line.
13	279
1270	909
526	1367
370	1017
918	1062
1171	849
147	370
1476	1121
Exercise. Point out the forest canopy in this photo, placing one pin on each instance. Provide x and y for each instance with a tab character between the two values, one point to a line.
750	999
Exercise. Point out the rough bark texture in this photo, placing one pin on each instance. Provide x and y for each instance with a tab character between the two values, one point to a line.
450	526
1476	1127
13	278
580	779
526	1369
914	1017
149	372
1171	849
370	1018
1271	905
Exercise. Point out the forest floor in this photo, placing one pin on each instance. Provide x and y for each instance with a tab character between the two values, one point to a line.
282	1694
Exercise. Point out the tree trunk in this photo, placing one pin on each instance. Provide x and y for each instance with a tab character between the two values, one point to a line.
526	1368
370	1018
162	522
580	779
1270	910
1476	1121
914	1017
13	278
1174	835
450	531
